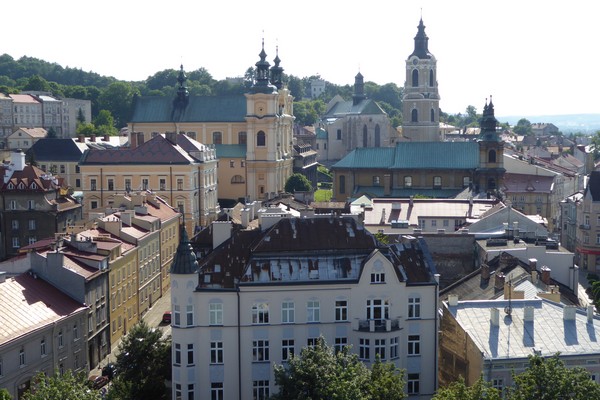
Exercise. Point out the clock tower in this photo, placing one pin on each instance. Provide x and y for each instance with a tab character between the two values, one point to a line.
421	100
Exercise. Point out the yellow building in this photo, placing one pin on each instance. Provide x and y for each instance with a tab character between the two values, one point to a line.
259	123
182	171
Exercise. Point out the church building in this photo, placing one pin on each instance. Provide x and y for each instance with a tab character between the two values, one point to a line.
252	133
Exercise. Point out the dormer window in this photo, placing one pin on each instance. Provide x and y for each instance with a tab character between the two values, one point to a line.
21	185
378	273
33	185
11	186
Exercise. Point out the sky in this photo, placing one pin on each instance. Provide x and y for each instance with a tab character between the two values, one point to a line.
535	57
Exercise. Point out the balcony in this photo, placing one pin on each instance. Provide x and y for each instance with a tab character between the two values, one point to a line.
376	325
584	226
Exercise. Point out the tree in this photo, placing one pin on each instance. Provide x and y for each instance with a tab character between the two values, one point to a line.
4	395
297	183
37	83
118	98
319	372
80	116
549	378
105	123
459	391
65	386
596	143
51	133
143	362
523	127
86	129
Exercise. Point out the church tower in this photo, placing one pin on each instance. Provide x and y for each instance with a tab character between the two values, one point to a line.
269	121
491	152
421	100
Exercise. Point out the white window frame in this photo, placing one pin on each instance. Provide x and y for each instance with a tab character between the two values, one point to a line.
414	307
260	350
215	313
287	312
216	352
189	315
190	354
260	313
364	349
412	383
379	347
177	354
176	315
313	311
341	310
394	347
216	391
339	343
260	390
414	345
287	349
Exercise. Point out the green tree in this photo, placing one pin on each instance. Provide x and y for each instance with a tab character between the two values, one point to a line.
297	183
523	127
387	381
143	362
51	133
4	395
459	391
549	378
105	123
37	83
118	98
382	238
80	116
86	129
65	386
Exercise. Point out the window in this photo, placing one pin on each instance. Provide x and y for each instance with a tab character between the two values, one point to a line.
189	313
415	77
412	384
93	204
260	313
341	310
364	349
260	138
339	134
177	354
92	184
162	184
22	356
32	224
365	137
111	184
179	183
380	348
340	343
180	206
31	204
15	242
13	205
378	309
216	391
498	384
313	311
287	349
434	223
394	347
414	307
377	136
466	181
260	350
342	185
127	184
60	339
15	224
216	352
215	312
191	391
378	277
176	315
492	156
217	138
177	391
414	345
431	77
237	179
260	390
432	115
43	347
145	184
231	164
77	182
191	135
287	312
190	354
598	238
75	332
312	342
242	137
437	182
375	181
408	181
414	116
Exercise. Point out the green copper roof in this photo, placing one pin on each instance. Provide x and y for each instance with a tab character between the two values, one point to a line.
321	133
414	155
378	191
199	109
342	108
230	150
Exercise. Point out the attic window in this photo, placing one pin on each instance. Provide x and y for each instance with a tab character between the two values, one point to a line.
21	185
11	186
33	185
378	273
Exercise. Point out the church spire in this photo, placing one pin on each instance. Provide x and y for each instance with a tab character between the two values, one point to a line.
277	71
488	122
421	42
359	89
261	84
184	261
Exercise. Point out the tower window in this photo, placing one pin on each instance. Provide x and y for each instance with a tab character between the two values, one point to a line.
432	115
414	115
365	139
377	136
437	182
339	134
342	184
260	138
431	78
492	156
415	78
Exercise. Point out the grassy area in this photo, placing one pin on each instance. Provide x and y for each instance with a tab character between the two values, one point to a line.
323	195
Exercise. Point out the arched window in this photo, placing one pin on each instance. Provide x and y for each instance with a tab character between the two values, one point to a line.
261	138
377	136
217	138
408	181
491	184
492	156
414	115
437	182
415	78
365	139
432	115
237	179
242	137
342	184
431	77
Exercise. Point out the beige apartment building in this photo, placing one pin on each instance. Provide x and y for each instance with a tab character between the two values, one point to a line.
587	242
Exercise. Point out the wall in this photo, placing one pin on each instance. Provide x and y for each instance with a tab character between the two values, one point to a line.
453	255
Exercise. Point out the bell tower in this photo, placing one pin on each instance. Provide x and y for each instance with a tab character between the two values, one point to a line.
421	100
491	152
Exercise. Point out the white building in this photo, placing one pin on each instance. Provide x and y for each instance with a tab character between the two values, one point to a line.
263	294
70	114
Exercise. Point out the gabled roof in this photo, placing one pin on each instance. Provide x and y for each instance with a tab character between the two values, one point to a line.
199	109
32	132
525	183
32	179
55	150
368	158
23	98
343	108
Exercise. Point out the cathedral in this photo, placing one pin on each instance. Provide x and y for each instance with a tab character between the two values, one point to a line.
422	164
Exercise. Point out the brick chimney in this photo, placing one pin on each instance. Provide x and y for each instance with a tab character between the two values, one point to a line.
499	281
92	138
133	140
485	272
546	274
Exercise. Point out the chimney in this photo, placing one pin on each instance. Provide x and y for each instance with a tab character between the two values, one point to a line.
534	277
140	138
92	138
106	138
81	139
528	314
495	316
590	313
546	273
452	300
127	217
17	159
221	232
411	201
245	217
532	264
485	272
132	140
172	137
386	185
569	313
499	281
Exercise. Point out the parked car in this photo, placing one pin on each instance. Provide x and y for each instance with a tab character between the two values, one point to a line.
166	319
98	381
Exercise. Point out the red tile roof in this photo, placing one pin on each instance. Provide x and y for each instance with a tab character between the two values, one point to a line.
23	98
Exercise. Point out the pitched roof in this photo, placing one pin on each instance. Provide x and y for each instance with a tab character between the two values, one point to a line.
230	108
343	108
33	132
23	98
29	303
28	176
525	183
55	150
368	158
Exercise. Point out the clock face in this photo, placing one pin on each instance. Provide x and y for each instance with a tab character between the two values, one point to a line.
415	61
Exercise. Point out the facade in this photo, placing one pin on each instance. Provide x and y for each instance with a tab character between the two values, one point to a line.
568	221
262	295
27	111
24	138
232	172
52	114
35	205
43	330
543	129
180	170
359	123
71	115
6	118
587	243
261	121
494	338
431	169
421	100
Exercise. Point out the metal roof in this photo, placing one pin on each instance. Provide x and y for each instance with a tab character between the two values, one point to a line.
199	109
230	150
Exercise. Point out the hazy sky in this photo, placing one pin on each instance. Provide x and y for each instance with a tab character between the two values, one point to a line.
534	57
